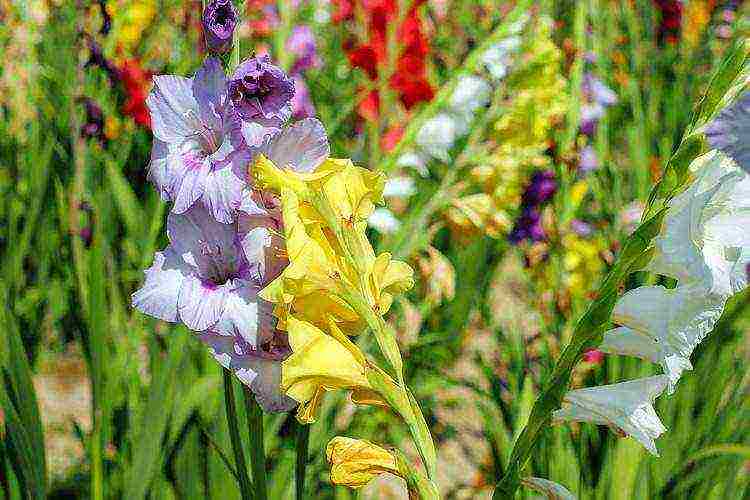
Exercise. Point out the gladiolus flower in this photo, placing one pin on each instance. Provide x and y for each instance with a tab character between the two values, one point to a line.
199	152
207	277
550	489
663	326
261	92
355	462
219	22
627	407
704	238
319	362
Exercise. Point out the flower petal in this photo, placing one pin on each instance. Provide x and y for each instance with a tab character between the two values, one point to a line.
158	295
301	146
172	104
201	305
222	194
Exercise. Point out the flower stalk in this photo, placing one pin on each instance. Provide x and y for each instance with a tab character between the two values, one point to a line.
246	486
730	80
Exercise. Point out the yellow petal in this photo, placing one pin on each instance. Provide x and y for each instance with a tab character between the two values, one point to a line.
319	361
354	462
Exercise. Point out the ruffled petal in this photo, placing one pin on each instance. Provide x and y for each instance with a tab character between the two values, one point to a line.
172	105
301	146
201	305
158	295
627	406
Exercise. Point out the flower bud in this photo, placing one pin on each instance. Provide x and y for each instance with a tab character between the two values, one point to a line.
219	21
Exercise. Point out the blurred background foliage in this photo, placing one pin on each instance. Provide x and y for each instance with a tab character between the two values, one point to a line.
510	218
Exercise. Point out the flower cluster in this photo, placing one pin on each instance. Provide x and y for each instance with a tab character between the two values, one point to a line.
223	232
704	245
333	288
522	136
409	78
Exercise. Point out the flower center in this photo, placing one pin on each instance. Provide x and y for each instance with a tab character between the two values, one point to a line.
222	16
218	269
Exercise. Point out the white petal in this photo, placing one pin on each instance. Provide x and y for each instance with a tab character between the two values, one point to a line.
158	296
199	305
384	221
172	105
222	195
627	406
663	325
301	146
240	312
437	135
705	230
414	160
470	94
262	375
399	187
191	184
550	489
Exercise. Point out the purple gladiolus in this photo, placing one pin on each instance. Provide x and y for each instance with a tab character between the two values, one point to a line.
596	91
528	226
199	152
581	228
302	105
301	43
730	131
261	92
541	188
219	22
207	277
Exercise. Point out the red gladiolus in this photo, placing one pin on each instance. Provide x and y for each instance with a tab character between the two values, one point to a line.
136	82
409	79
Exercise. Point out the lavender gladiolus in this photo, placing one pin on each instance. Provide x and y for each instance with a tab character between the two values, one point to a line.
199	153
261	92
301	43
207	277
219	22
302	105
588	161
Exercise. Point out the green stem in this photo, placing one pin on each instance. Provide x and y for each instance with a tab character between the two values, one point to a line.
303	440
246	487
257	451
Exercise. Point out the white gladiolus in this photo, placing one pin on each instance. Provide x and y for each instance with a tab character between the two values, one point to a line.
705	237
399	187
437	135
550	489
663	326
627	407
383	221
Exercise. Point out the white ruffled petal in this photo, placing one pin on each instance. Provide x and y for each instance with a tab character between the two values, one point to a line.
158	295
705	230
663	325
627	407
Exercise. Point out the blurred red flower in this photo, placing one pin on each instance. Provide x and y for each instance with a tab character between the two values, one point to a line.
136	82
409	79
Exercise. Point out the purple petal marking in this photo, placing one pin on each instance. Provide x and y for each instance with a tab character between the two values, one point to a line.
201	304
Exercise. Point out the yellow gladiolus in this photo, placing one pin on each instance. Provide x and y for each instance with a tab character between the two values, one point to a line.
355	462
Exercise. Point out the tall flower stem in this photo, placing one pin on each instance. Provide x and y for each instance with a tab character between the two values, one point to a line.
303	440
246	487
257	450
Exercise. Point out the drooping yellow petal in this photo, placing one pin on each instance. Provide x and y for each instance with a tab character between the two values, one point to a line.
319	361
355	462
